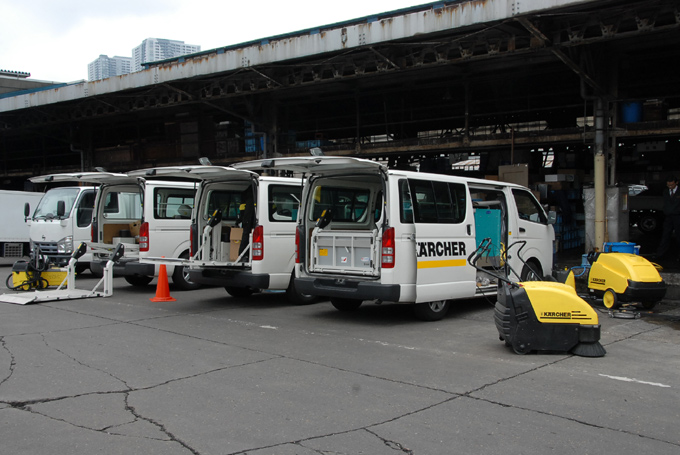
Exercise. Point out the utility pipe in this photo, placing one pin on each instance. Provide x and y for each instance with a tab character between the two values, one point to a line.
600	174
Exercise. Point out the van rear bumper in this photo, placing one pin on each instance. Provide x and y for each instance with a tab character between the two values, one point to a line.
229	278
348	289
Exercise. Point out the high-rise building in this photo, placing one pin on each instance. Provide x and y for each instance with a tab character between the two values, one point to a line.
154	49
104	67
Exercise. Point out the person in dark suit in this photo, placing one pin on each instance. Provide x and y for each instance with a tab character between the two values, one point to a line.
671	209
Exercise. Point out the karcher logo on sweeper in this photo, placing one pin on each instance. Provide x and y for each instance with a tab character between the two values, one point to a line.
556	315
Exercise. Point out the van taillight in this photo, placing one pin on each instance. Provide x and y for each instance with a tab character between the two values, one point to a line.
257	247
93	231
388	249
297	245
192	237
144	237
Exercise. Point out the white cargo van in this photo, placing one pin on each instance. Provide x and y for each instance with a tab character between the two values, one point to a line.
60	222
243	229
366	232
150	218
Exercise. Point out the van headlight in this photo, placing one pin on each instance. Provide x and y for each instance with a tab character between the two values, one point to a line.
65	245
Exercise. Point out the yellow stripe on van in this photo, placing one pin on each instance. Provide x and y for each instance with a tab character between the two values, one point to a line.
442	263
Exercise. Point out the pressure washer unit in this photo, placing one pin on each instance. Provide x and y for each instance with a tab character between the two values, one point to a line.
618	277
36	273
542	315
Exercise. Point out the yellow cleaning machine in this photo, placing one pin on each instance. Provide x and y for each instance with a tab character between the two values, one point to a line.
618	275
541	315
36	273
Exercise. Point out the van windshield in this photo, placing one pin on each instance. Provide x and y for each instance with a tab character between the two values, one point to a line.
47	208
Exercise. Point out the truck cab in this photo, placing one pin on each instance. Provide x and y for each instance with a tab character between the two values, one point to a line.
60	222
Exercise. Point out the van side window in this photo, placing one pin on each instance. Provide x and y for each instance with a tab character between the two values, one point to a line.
528	207
284	201
173	203
438	202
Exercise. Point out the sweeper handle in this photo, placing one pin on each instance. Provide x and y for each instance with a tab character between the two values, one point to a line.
522	244
485	246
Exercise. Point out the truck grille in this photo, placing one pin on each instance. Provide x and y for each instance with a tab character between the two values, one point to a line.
47	248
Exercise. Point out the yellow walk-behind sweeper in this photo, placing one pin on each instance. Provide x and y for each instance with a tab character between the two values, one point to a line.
619	277
541	315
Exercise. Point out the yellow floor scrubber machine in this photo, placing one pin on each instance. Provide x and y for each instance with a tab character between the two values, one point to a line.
618	275
541	315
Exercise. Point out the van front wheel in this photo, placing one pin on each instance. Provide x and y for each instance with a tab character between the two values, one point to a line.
431	311
346	304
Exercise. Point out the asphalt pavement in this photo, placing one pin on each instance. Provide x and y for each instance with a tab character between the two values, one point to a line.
213	374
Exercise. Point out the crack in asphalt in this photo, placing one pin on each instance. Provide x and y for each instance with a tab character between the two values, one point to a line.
12	360
159	425
394	445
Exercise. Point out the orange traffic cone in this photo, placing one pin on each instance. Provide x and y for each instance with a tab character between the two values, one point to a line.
162	288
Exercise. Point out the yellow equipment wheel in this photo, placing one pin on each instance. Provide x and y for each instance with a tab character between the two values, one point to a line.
610	299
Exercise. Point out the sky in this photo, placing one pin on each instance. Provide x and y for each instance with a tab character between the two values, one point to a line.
55	40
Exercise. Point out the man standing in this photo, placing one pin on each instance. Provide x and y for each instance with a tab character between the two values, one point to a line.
671	209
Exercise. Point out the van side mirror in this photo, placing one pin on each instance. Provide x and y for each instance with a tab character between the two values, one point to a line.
61	208
552	217
27	210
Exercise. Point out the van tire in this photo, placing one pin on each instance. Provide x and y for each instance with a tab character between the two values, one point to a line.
239	292
531	271
346	304
180	276
431	311
96	270
138	280
297	298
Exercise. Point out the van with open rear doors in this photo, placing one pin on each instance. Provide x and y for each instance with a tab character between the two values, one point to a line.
242	229
151	218
366	232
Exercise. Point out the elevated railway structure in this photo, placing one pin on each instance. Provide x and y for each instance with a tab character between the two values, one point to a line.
503	81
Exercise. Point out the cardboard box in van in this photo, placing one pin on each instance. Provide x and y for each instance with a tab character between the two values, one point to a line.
235	242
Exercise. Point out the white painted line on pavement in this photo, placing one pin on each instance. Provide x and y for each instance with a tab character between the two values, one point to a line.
621	378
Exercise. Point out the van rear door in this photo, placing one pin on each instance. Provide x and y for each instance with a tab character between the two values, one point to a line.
349	243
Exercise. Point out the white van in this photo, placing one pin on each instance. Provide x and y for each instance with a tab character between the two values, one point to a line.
366	232
243	229
150	217
60	222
